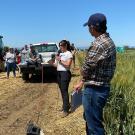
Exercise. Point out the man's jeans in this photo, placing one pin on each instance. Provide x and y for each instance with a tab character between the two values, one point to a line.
9	67
94	99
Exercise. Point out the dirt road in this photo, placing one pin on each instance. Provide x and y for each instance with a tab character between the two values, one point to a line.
21	102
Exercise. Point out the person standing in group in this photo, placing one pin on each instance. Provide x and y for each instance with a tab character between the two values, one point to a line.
11	62
73	51
97	71
1	60
24	54
63	63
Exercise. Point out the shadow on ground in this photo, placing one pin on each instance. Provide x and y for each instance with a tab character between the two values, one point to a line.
46	79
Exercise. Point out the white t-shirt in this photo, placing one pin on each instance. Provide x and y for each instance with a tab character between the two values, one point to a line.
10	57
64	57
24	55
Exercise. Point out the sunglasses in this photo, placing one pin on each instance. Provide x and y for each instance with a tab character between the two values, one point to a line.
61	44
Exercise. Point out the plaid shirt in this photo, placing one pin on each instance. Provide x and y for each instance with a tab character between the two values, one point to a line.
100	62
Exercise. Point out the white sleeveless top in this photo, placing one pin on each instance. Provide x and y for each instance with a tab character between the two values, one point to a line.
64	57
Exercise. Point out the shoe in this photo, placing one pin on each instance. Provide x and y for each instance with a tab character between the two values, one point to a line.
64	114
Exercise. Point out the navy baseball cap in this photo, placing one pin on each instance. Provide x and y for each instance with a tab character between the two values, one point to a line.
97	19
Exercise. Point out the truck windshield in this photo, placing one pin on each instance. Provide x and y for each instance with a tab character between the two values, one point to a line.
46	48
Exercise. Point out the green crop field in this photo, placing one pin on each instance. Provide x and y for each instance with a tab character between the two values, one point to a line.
119	112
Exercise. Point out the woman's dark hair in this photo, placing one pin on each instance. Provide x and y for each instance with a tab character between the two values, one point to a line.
65	43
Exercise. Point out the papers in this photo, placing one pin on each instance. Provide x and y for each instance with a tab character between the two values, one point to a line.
76	100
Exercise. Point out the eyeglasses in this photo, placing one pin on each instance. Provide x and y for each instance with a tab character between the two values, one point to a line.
61	44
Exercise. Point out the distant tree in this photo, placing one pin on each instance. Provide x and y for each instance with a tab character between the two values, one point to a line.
126	47
129	47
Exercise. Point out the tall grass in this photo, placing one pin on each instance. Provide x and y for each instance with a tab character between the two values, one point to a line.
119	112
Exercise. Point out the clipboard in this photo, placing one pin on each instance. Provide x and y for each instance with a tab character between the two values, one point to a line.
76	100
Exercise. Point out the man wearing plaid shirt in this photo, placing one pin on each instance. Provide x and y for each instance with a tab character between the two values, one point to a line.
97	71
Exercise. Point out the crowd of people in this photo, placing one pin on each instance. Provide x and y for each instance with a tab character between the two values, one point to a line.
97	71
12	57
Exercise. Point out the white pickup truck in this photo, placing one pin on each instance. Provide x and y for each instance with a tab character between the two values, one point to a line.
47	51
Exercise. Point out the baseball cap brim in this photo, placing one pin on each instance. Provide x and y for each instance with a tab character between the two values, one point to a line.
85	24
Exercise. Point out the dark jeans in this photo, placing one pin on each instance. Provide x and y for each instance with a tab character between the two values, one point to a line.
94	100
9	67
63	79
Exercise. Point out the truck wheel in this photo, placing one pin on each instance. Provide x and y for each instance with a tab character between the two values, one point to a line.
25	76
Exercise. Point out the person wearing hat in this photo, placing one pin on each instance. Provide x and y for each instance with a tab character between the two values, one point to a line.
97	71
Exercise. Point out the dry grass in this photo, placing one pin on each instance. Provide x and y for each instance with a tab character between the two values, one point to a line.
21	102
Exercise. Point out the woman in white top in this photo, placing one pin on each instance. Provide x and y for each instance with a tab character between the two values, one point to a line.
11	62
64	61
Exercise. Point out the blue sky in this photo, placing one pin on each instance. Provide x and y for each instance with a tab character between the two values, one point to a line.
32	21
